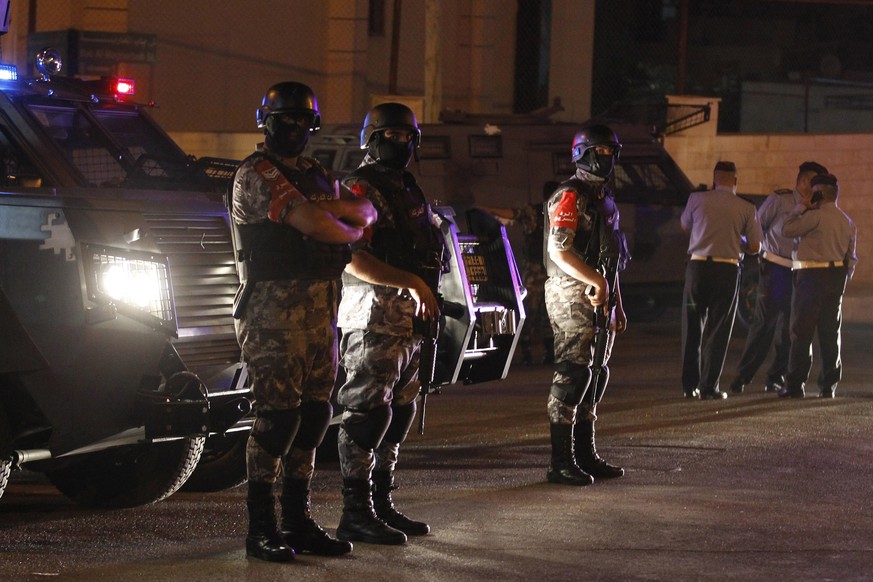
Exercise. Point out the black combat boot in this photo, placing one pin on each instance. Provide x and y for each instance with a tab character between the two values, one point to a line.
299	530
383	485
563	468
359	522
263	541
586	453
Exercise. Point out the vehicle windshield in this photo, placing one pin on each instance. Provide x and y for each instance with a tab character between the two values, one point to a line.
112	147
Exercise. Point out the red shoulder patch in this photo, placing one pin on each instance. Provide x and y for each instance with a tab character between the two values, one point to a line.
566	213
358	189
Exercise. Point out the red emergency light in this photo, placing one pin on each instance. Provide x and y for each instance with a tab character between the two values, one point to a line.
123	86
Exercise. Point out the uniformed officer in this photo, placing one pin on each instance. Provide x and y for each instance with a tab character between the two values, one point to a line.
581	229
824	260
722	226
773	303
391	281
292	226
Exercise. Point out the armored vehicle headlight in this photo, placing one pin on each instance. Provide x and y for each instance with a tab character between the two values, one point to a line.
140	280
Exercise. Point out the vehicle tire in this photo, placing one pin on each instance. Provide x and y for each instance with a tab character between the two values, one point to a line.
222	465
128	476
5	469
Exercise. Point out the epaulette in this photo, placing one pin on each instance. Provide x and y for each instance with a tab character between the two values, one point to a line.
783	191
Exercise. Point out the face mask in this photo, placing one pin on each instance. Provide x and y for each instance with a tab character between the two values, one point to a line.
393	154
598	164
285	139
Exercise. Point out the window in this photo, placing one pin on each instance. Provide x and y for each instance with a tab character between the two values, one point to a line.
376	18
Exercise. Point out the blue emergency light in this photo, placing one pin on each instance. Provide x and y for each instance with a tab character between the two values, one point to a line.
8	73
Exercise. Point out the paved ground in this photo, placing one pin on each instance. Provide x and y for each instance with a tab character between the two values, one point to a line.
751	488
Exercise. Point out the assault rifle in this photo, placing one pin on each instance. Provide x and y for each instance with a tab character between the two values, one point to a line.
429	328
602	319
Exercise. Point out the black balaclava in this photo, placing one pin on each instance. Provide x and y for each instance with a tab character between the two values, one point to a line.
391	153
597	164
285	139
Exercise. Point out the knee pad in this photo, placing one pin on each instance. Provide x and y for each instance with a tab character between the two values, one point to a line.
571	393
274	430
401	422
367	428
314	420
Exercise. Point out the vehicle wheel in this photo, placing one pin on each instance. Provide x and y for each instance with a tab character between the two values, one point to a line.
5	469
222	465
128	476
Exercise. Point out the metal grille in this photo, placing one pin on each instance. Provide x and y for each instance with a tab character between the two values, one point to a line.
202	267
204	279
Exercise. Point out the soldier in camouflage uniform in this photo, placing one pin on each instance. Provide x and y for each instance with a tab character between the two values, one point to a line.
392	279
582	223
292	230
533	273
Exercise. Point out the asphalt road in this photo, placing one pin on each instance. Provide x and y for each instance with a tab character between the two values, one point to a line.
750	488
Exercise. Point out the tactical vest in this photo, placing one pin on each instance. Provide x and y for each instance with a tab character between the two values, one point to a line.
414	244
604	237
270	251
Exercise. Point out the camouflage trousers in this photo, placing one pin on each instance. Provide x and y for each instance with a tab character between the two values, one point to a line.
287	367
381	370
572	317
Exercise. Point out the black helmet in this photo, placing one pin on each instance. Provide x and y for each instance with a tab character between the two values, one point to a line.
586	158
289	97
594	135
390	116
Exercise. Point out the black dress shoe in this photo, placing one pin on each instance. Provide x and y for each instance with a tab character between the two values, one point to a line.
773	387
716	395
691	393
789	393
737	386
826	394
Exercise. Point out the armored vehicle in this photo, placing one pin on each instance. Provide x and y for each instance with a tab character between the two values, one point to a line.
120	377
117	277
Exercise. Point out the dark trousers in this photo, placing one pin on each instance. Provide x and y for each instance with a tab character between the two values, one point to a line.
771	319
710	299
816	305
